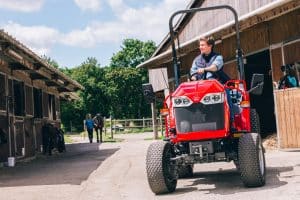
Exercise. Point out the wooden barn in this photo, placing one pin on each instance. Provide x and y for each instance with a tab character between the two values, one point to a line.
30	95
270	38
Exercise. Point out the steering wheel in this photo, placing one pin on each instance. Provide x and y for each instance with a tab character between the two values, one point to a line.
200	75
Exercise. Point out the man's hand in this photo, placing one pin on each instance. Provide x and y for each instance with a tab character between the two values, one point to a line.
201	71
193	78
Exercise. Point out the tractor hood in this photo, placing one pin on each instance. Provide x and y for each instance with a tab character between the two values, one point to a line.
196	90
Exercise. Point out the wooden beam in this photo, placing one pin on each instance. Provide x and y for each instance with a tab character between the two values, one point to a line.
17	66
51	83
66	83
37	76
63	89
54	76
37	66
4	45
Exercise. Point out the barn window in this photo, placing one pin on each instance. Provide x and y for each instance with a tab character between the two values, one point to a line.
57	107
2	92
29	100
51	107
37	98
19	98
45	104
10	94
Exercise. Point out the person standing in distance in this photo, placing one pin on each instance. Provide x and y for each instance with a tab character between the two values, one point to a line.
89	124
98	123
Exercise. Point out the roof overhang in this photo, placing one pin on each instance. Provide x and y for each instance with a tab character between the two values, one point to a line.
265	13
19	57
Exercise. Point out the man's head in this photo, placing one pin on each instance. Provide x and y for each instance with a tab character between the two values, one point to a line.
206	45
98	115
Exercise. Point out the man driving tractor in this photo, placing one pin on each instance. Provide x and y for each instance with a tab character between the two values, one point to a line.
209	65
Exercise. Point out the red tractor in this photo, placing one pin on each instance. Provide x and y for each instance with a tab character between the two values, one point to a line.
198	128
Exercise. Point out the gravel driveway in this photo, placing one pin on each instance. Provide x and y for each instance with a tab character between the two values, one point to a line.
117	171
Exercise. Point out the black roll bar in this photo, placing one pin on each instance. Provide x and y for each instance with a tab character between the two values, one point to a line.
239	54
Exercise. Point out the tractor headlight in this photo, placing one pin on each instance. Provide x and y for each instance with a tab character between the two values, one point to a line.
213	98
182	101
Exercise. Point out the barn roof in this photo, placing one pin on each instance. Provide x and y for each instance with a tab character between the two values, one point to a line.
20	57
163	54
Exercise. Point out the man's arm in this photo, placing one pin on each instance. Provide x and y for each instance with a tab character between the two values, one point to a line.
194	67
215	66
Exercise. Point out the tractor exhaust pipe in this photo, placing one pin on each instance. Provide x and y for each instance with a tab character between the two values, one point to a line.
239	54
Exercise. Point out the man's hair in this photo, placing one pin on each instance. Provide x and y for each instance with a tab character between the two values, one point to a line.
209	40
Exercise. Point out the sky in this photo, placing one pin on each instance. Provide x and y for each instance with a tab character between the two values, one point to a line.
70	31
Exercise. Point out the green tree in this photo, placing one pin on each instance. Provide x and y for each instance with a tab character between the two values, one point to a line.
51	61
93	100
125	80
114	90
132	53
125	93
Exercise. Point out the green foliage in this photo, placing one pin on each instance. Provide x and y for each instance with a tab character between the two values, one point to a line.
125	93
50	61
133	53
115	90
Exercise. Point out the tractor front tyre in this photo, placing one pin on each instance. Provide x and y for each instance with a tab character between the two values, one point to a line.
161	171
185	171
252	165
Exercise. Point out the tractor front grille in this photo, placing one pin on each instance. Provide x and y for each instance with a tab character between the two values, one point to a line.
199	117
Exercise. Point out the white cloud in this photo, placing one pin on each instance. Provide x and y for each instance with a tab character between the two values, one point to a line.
22	5
40	39
147	23
88	5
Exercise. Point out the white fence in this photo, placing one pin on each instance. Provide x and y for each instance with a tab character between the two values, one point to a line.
114	126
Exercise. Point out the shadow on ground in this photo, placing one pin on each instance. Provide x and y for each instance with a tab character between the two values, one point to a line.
226	182
72	167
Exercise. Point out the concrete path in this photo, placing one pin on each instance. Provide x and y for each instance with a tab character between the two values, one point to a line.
113	171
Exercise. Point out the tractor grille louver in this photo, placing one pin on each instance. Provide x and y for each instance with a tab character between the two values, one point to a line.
199	117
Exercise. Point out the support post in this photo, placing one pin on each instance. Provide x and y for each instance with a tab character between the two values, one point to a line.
154	124
111	131
161	126
143	124
104	121
8	124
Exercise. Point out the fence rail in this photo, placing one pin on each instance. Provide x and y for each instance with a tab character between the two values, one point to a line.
113	126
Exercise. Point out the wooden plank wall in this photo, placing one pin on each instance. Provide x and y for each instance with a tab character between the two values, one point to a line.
288	126
292	52
208	20
19	133
29	138
38	124
26	131
254	39
277	62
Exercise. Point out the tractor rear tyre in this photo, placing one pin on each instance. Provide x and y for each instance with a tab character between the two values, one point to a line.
252	160
254	121
185	171
161	172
